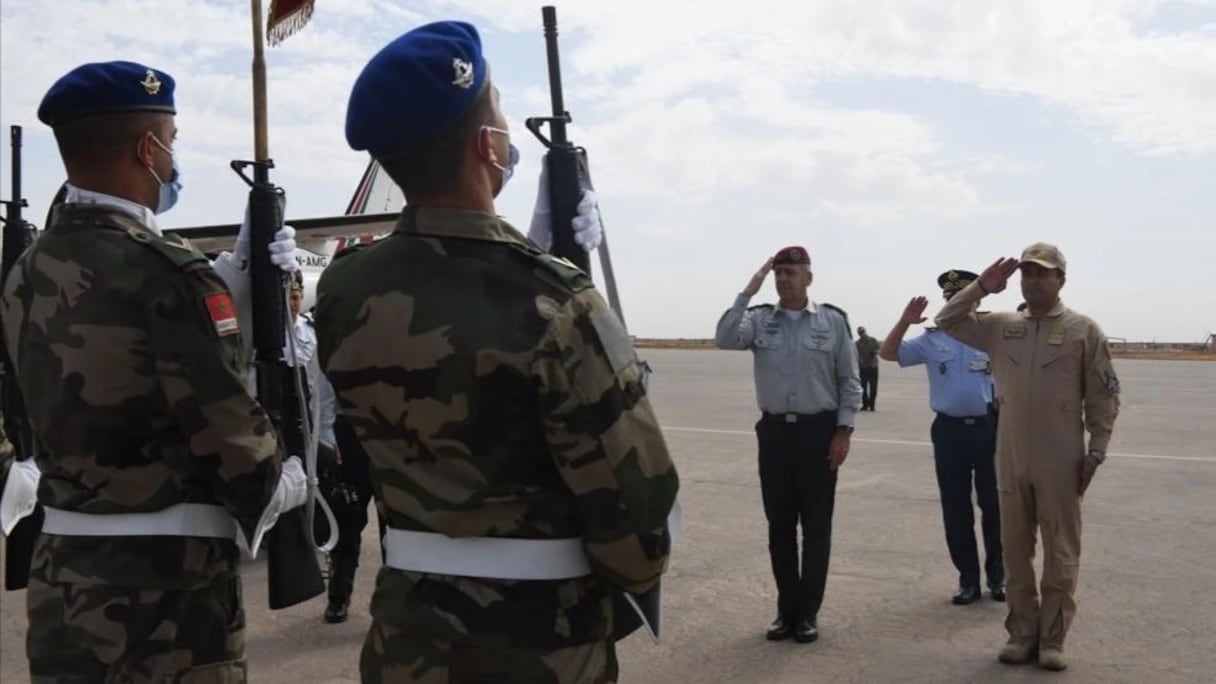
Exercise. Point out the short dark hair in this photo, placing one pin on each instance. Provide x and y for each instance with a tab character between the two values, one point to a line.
434	167
98	140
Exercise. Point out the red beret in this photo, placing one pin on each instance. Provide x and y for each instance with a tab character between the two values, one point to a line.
792	255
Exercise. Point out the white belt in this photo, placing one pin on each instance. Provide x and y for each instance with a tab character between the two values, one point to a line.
179	520
492	557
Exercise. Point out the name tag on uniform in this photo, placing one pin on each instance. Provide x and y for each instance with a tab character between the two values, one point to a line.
979	365
1014	332
1056	335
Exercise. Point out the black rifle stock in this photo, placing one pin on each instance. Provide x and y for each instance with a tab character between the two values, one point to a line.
294	573
18	234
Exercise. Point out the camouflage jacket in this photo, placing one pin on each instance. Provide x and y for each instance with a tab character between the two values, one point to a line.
126	350
496	395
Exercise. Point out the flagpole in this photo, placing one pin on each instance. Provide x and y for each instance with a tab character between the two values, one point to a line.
261	146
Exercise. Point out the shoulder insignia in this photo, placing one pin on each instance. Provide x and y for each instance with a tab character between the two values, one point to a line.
173	247
571	276
769	307
843	314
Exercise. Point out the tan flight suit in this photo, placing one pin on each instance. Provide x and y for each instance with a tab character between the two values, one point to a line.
1049	372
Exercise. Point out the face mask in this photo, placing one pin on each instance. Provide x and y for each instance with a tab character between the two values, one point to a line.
513	158
168	192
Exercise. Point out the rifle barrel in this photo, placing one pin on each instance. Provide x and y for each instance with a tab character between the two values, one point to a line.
15	135
557	127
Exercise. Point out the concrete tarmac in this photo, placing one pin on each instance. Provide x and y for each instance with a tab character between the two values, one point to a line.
1146	601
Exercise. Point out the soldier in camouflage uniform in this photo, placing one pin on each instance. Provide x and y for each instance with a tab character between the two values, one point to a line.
514	454
128	354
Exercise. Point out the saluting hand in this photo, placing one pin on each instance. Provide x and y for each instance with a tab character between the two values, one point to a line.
753	286
994	277
915	311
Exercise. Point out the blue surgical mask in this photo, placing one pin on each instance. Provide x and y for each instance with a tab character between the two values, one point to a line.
168	191
512	160
509	169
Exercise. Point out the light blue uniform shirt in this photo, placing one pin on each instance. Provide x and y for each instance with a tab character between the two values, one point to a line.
960	377
804	361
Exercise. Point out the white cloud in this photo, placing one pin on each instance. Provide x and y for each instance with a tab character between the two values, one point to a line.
718	131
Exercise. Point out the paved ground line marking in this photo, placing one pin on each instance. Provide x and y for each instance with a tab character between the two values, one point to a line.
908	442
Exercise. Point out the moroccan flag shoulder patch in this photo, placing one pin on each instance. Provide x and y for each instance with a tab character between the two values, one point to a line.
223	313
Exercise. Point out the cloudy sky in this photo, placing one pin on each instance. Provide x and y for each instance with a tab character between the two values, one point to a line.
894	139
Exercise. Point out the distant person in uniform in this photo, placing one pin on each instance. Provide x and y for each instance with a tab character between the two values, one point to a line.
867	365
963	434
155	459
808	391
514	453
1055	380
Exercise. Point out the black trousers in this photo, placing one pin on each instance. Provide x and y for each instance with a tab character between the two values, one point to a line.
798	487
869	386
963	447
350	512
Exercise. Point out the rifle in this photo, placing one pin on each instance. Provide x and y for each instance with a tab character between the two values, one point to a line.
569	176
293	571
18	235
569	173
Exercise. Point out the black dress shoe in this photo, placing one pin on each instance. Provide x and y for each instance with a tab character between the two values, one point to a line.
335	612
998	592
966	595
806	632
782	628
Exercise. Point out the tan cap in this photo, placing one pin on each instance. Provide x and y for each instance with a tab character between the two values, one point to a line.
1045	255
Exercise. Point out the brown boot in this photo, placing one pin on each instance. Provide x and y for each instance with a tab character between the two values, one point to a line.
1017	652
1052	658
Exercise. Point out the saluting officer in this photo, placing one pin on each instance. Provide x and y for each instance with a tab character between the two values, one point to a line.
808	389
1055	380
963	434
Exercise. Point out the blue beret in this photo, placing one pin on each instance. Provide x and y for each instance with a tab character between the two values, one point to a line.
415	87
105	88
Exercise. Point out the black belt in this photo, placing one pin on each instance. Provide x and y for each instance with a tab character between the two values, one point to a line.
965	420
797	417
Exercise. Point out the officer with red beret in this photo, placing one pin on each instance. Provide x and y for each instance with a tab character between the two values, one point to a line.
808	390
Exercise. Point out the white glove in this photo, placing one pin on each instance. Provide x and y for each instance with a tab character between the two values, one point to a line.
20	494
281	249
588	228
540	232
291	492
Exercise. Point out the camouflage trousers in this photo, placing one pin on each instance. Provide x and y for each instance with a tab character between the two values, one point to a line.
395	656
101	633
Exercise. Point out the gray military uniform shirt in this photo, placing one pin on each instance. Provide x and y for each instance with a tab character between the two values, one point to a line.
804	361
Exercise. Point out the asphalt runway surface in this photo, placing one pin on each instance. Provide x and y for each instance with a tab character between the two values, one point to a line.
1146	601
